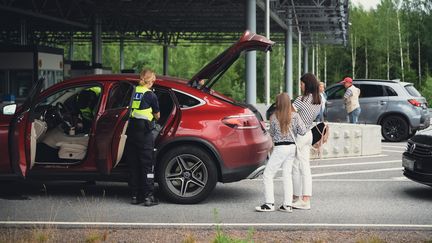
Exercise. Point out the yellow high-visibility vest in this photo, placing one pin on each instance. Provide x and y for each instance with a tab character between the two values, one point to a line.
136	112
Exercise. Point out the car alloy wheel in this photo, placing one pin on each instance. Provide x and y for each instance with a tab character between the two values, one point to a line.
394	129
187	174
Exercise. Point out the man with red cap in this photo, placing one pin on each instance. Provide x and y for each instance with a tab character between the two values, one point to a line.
351	100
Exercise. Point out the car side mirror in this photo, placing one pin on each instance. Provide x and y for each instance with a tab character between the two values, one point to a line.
9	109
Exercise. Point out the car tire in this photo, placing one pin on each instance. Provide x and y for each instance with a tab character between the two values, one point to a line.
187	174
394	128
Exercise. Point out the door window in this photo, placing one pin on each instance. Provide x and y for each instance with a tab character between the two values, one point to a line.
120	96
166	105
335	93
371	90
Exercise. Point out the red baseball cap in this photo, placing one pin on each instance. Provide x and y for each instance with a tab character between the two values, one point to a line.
346	80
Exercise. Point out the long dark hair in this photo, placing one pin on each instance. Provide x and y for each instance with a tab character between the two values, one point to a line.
311	87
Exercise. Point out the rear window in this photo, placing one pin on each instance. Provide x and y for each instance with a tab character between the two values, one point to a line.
412	90
186	101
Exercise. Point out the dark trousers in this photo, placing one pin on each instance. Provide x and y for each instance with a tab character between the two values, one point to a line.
139	156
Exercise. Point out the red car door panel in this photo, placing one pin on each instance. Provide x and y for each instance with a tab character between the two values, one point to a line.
20	129
109	129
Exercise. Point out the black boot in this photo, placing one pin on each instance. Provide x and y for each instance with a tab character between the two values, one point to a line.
150	200
135	198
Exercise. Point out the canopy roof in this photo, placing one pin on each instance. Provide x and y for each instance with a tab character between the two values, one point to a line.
168	21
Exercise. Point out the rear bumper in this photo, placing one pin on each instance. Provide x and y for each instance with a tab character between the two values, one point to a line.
245	172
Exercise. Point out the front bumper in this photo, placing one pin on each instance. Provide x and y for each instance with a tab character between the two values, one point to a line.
413	170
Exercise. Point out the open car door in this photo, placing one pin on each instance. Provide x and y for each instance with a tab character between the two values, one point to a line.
248	42
20	132
109	136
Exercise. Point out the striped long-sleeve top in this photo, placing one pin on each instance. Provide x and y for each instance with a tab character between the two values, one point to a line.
297	127
307	111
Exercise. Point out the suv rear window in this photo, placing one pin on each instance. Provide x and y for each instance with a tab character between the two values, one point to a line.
412	90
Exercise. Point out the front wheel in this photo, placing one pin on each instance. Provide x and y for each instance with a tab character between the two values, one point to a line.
394	129
187	174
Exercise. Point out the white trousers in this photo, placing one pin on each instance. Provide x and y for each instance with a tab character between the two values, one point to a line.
302	176
282	155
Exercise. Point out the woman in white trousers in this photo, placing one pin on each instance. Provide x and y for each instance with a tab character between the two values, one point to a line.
308	106
284	126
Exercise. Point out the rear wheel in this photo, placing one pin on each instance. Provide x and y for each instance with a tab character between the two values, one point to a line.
394	128
187	174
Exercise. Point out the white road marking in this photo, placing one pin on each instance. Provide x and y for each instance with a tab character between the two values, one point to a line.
393	151
356	172
361	180
352	157
360	163
392	146
130	224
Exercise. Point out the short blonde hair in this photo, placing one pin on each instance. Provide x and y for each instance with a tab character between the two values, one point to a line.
146	76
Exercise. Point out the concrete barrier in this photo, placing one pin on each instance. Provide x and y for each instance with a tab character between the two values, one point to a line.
346	140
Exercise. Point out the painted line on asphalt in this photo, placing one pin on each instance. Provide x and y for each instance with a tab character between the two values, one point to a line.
359	163
352	157
131	224
393	179
356	172
393	151
393	146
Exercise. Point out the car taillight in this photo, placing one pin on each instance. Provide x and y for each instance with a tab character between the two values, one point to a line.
414	102
242	122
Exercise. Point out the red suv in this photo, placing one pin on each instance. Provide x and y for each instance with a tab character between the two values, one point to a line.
203	136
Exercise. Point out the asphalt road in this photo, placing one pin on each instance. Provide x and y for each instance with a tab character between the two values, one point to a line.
362	192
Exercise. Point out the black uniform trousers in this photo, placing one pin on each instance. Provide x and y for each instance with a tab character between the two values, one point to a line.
139	156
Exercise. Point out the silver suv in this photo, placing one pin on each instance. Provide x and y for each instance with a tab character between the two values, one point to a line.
397	106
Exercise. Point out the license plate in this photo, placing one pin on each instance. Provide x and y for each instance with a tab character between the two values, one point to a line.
408	164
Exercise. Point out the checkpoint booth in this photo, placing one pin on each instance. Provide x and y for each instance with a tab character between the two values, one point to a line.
21	66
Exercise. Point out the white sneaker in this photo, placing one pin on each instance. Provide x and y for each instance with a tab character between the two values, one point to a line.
266	207
285	208
300	204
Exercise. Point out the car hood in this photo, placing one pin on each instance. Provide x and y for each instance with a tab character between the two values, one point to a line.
423	137
248	42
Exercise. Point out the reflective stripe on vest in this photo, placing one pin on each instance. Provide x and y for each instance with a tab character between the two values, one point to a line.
136	112
87	113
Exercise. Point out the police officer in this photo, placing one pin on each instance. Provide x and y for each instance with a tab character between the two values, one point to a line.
140	144
87	100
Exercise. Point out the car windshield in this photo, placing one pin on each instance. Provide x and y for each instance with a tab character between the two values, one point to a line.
412	90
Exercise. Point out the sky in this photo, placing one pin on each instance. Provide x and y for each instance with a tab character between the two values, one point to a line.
367	4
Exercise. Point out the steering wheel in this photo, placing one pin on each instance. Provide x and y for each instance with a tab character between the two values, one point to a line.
63	114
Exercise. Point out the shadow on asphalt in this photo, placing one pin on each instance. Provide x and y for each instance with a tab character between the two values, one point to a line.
421	192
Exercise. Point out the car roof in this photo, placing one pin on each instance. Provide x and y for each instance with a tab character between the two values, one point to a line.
383	80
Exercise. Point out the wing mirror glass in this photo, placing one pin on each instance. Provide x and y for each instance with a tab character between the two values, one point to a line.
9	109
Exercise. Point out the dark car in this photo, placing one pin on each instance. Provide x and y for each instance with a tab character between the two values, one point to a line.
417	159
397	106
203	136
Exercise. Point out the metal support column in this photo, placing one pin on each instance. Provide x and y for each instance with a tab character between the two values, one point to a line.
165	59
121	53
299	63
251	55
97	42
313	59
71	48
288	59
305	59
23	32
267	57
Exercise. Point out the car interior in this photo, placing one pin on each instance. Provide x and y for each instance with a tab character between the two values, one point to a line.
60	132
